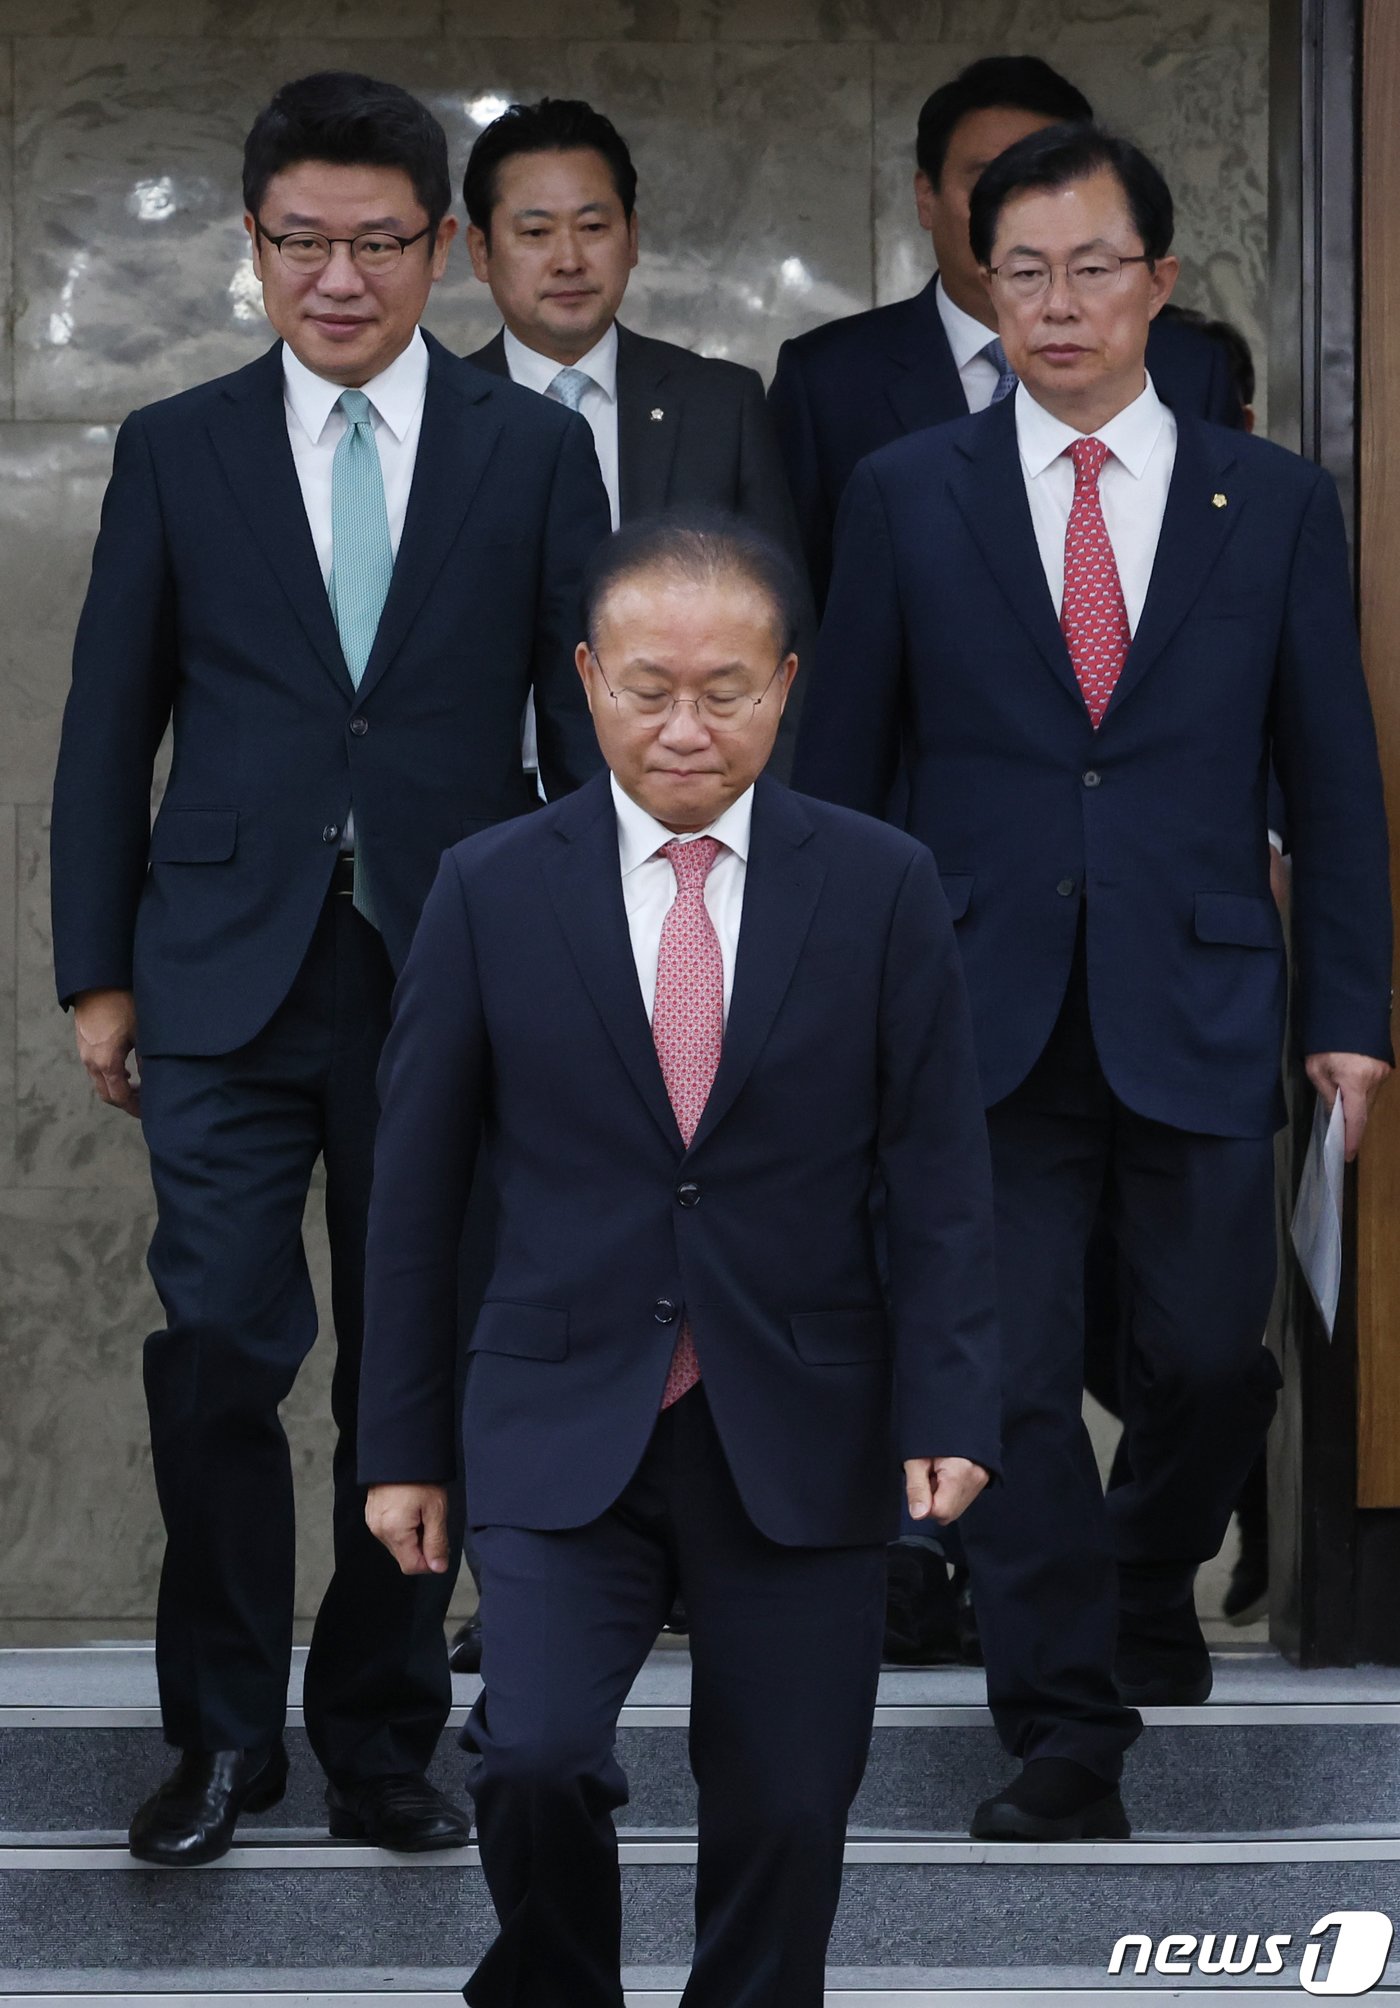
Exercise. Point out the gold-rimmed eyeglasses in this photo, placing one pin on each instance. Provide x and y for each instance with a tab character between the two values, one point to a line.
717	710
1087	273
372	250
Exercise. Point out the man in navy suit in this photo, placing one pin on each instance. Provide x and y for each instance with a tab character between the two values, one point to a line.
337	574
698	1016
845	389
1084	623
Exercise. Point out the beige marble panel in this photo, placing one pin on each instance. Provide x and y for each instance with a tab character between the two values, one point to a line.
81	1525
83	1534
133	273
253	20
7	240
1201	113
1028	23
8	874
52	479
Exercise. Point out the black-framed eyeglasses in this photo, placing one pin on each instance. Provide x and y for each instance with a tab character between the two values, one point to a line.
718	710
372	250
1088	272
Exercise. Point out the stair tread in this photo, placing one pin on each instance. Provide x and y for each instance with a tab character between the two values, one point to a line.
123	1676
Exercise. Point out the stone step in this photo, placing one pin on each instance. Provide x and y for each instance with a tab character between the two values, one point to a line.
644	1988
1274	1750
919	1903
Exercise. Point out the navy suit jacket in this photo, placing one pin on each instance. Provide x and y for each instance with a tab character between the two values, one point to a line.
847	1051
846	389
207	610
712	445
941	647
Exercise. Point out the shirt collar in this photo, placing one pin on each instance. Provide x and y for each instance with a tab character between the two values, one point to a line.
396	393
640	836
1129	436
537	372
967	337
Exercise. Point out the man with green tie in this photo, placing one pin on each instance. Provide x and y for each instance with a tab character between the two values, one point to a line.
337	574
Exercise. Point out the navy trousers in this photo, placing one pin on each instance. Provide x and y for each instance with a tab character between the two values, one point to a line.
1052	1560
233	1141
785	1650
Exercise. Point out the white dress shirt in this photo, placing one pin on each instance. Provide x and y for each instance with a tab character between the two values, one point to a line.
967	337
1141	444
316	427
649	884
599	405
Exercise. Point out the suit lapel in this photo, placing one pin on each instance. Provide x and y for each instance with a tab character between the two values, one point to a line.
585	887
1195	530
782	884
924	388
645	445
248	428
991	494
456	440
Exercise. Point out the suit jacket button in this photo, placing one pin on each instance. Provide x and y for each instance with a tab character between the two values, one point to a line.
1067	888
664	1311
359	726
688	1195
330	833
1092	778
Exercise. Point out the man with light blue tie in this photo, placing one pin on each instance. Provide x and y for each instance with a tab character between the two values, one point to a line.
337	574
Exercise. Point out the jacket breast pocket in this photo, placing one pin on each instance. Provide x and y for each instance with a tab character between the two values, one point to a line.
957	890
521	1331
839	1338
1237	919
194	836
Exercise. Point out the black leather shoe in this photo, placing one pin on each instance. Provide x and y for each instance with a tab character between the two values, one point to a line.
191	1817
921	1613
1162	1661
465	1656
403	1812
1054	1799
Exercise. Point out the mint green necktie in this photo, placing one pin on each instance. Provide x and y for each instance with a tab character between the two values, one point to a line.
362	558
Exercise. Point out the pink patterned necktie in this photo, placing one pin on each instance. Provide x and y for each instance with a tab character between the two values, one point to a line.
687	1024
1093	617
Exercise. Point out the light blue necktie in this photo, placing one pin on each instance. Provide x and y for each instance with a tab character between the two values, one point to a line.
1007	378
568	388
362	558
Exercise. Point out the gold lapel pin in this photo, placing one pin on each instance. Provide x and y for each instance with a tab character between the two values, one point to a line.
657	413
1217	501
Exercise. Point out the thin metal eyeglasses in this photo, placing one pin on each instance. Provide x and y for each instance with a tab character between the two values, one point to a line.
1088	272
717	710
372	251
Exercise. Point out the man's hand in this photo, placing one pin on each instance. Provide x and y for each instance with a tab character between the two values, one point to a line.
105	1022
411	1521
940	1488
1358	1076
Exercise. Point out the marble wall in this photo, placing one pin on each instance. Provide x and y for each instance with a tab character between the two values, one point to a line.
774	141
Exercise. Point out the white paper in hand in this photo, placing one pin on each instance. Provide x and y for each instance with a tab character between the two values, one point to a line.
1317	1217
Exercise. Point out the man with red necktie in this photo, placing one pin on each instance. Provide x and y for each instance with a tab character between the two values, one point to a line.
1086	624
699	1018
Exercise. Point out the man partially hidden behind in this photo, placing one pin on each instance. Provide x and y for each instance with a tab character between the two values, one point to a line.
551	194
336	574
1085	623
698	1016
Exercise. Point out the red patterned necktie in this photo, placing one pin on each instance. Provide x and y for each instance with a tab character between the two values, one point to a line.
1093	617
687	1023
